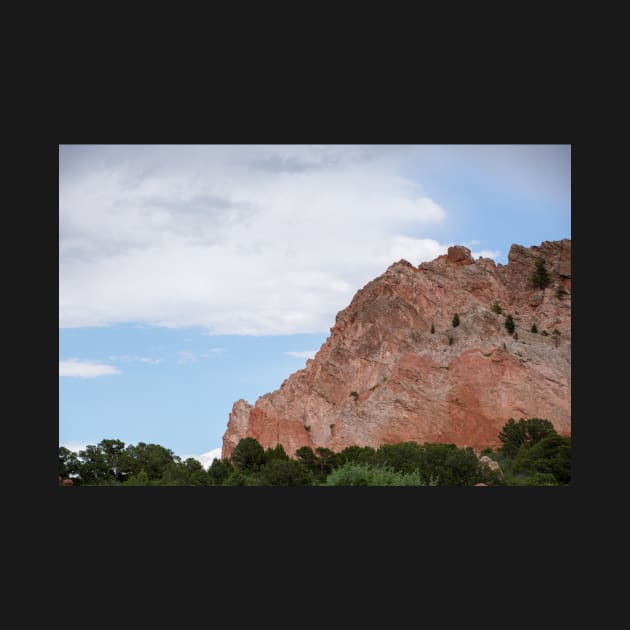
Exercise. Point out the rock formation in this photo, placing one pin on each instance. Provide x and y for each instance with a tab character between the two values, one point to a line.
383	377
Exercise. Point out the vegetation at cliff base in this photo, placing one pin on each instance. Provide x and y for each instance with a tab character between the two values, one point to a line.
532	453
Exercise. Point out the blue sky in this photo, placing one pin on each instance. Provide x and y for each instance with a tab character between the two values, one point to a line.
192	276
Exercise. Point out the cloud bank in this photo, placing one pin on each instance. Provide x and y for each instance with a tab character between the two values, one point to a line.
85	369
239	240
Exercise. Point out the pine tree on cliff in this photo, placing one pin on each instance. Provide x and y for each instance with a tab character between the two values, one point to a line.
540	277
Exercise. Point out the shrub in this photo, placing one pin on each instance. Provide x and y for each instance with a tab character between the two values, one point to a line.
353	474
451	340
455	320
544	333
540	276
509	324
432	329
496	307
534	329
355	394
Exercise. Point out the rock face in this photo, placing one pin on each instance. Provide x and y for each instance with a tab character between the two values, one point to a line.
383	377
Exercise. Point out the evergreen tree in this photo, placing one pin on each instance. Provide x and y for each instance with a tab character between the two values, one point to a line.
534	329
540	277
509	324
432	329
455	320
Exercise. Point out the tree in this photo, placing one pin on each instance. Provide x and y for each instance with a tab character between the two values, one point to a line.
455	320
306	456
496	307
534	329
560	292
524	433
509	324
432	329
276	452
219	470
248	455
540	276
68	464
152	458
551	455
286	472
402	457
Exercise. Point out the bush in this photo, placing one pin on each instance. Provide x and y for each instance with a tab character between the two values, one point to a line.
540	276
544	333
432	329
509	324
352	474
355	394
534	329
285	472
496	307
455	320
451	340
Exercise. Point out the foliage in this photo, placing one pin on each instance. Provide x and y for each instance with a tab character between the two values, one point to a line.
544	333
219	470
455	320
354	474
432	329
514	434
534	329
286	472
451	340
403	457
551	456
277	452
560	292
68	463
357	454
496	307
540	276
248	455
509	324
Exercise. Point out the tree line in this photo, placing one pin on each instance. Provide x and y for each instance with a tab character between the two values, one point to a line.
531	453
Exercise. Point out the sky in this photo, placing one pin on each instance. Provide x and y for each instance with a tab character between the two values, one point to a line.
191	276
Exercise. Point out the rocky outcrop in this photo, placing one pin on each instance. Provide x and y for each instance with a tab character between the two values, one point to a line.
492	465
383	377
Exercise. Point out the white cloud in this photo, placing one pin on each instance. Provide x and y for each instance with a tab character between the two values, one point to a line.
127	357
85	369
205	458
302	354
238	240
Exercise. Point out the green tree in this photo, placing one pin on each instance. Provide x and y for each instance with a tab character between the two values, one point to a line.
455	320
248	455
524	433
68	463
402	457
509	324
534	329
152	458
551	456
219	470
276	452
560	292
306	456
286	472
432	329
357	454
540	276
496	307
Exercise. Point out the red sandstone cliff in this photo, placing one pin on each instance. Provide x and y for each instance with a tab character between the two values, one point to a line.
382	377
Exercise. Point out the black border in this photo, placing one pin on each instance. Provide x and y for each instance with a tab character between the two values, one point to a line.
313	520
